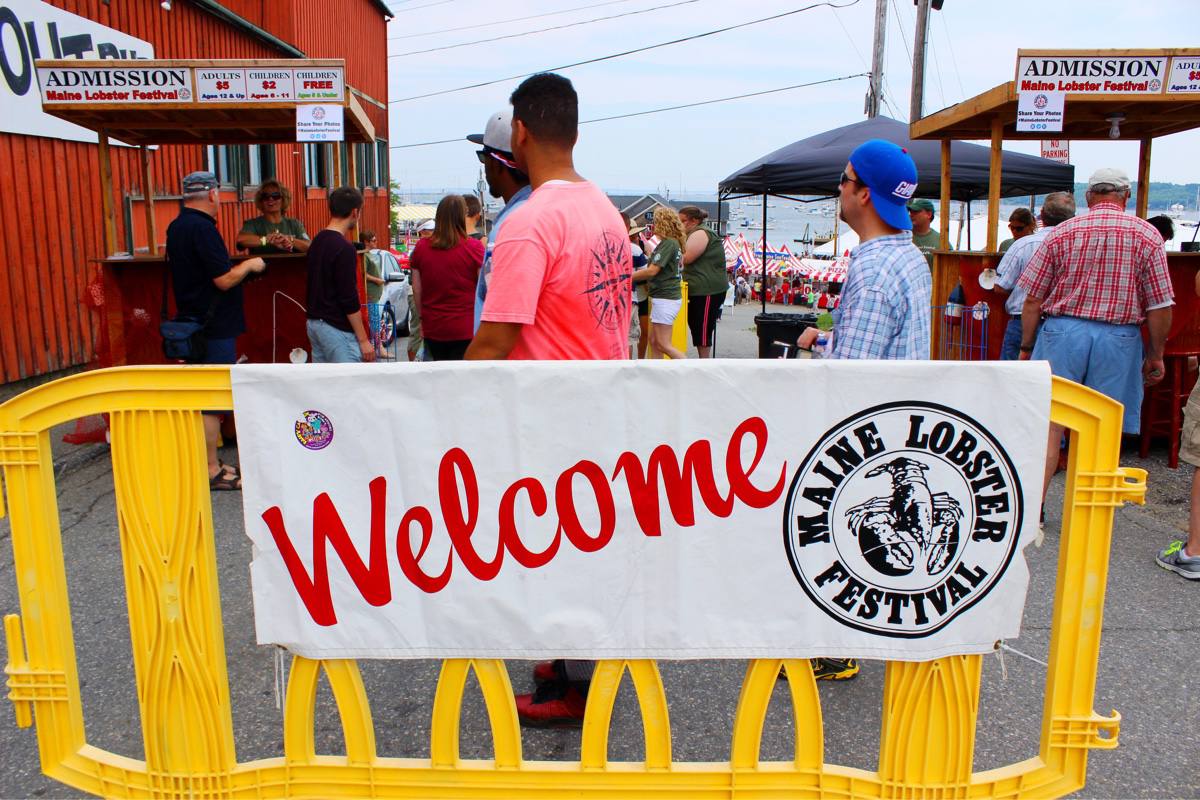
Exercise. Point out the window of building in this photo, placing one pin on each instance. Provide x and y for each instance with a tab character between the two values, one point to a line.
238	165
260	163
366	171
316	164
382	155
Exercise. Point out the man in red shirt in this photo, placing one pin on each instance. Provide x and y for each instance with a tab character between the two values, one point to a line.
1096	278
560	288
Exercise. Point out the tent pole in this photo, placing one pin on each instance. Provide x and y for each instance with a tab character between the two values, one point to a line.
968	225
148	199
1143	195
994	182
944	200
764	255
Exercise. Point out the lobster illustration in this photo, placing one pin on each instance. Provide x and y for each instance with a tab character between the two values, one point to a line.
912	524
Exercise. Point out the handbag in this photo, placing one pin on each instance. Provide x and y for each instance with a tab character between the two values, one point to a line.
183	337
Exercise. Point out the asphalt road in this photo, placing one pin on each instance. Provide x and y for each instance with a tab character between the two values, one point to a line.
1148	666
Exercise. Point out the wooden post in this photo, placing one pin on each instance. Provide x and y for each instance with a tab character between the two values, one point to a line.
337	164
148	197
106	194
944	200
352	180
1143	195
994	182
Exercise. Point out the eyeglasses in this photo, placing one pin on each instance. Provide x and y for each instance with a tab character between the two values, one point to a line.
1016	227
481	155
847	179
272	196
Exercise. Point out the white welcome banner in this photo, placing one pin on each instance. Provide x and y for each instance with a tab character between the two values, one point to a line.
699	509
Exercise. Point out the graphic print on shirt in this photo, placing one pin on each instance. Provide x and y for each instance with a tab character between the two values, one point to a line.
608	280
901	518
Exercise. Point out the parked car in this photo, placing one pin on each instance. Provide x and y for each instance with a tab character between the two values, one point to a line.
394	315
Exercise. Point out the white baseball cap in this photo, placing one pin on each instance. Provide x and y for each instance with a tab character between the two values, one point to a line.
1110	176
427	225
497	138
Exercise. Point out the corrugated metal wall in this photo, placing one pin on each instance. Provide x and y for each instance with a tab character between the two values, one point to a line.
50	189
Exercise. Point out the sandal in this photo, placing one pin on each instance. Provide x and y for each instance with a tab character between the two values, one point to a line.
227	479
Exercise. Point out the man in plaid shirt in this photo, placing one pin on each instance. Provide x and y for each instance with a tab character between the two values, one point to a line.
1095	279
884	311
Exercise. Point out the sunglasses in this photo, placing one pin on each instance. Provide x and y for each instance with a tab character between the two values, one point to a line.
842	181
272	196
1016	226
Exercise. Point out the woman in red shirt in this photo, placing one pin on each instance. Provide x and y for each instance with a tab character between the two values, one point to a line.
445	269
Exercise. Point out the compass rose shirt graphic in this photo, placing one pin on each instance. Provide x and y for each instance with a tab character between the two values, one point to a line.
562	269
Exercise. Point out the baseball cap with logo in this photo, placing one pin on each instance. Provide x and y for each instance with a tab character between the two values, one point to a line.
889	172
199	182
1109	176
497	138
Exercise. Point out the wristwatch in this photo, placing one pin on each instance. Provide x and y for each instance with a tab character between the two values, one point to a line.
1026	348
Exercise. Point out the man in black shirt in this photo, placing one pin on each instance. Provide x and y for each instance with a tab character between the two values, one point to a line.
208	287
335	326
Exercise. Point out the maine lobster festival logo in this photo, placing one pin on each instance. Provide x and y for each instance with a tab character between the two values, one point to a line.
314	430
902	517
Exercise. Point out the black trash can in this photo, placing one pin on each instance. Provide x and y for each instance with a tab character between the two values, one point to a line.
776	326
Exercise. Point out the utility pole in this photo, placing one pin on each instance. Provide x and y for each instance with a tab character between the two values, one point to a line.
918	80
875	93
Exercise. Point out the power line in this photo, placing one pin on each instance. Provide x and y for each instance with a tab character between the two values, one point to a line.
543	30
953	59
506	21
626	52
903	35
665	108
418	8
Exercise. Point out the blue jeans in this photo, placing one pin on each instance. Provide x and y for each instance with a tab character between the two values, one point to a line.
219	351
1101	356
1010	348
332	345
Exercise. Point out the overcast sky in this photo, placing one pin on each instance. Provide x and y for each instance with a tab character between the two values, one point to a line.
973	45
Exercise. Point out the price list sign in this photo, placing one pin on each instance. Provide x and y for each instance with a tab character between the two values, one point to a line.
220	85
1185	76
271	85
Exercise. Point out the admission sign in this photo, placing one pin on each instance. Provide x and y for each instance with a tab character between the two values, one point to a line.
703	509
1084	72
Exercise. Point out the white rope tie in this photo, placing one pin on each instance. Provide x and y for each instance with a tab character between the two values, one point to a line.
1001	647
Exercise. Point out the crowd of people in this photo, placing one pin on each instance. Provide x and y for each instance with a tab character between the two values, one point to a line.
564	276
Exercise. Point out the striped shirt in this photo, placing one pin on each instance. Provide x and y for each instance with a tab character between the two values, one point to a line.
1105	265
884	311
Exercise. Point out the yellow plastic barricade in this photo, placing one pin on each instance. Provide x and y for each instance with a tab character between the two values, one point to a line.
166	534
679	331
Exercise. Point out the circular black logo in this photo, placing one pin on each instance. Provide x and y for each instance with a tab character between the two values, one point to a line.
902	517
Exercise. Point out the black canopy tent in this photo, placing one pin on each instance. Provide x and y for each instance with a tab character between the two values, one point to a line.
813	166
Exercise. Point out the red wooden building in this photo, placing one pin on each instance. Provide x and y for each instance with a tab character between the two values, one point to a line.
49	175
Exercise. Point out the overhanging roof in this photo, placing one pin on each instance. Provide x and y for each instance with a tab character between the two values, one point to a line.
193	122
1085	117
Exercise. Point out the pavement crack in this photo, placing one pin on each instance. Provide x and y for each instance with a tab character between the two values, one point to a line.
88	511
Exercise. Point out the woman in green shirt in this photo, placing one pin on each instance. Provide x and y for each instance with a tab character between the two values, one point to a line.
271	232
663	274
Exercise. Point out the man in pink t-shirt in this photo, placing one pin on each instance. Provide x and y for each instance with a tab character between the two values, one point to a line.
561	288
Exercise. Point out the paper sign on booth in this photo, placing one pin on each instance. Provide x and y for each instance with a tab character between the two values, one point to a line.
319	123
721	509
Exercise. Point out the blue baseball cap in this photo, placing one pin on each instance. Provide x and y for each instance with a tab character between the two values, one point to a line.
889	172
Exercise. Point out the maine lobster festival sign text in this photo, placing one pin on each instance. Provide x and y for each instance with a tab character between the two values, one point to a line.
641	509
